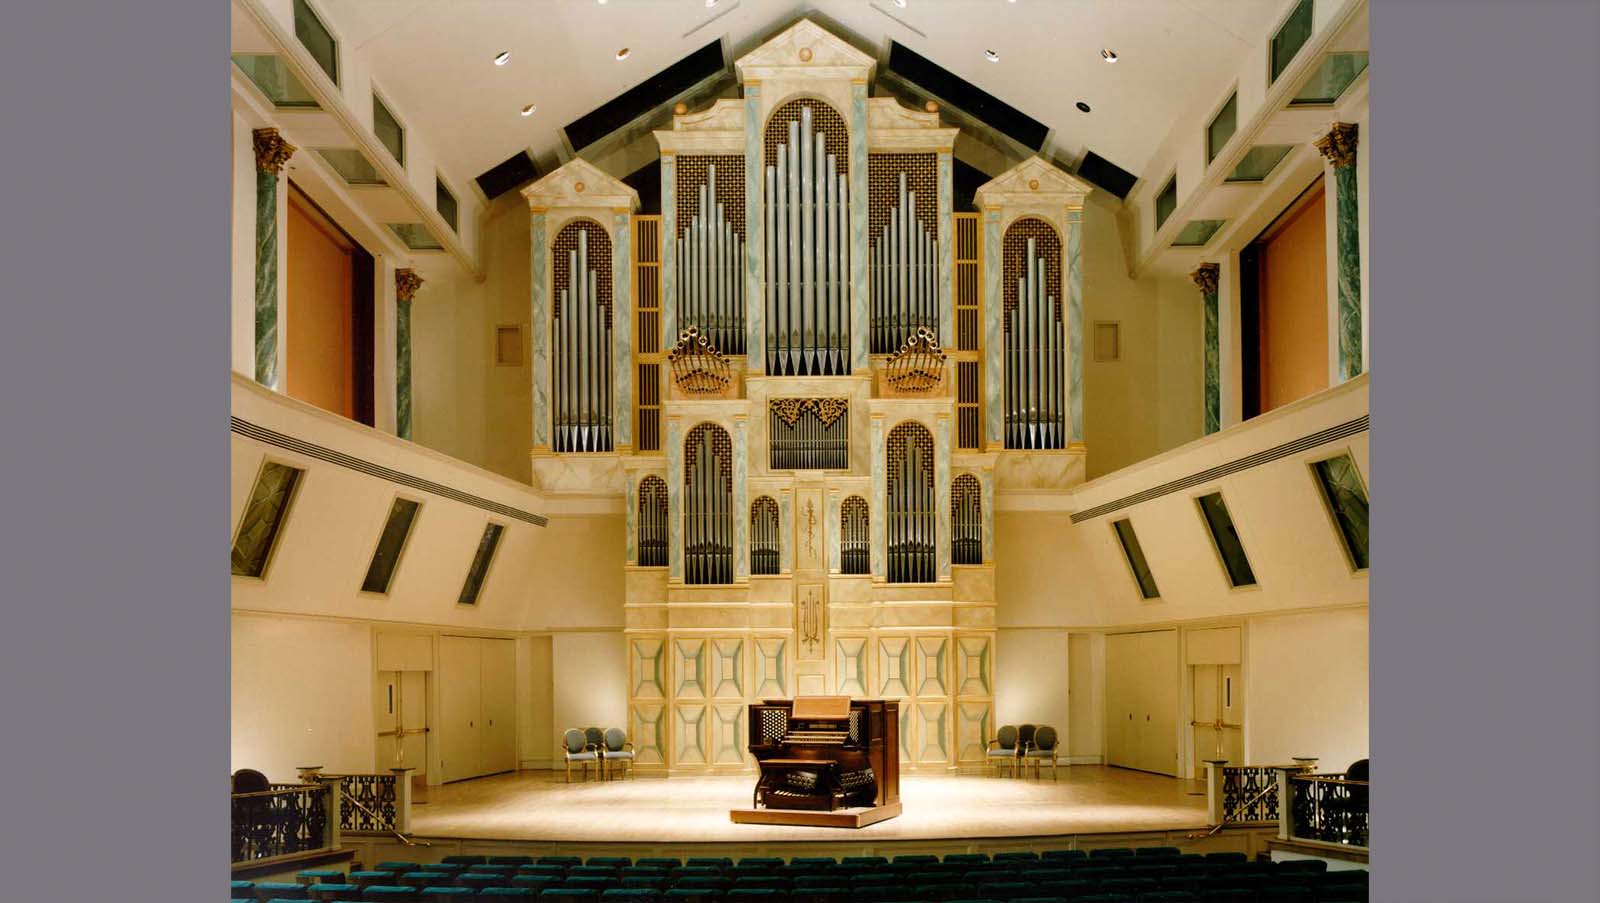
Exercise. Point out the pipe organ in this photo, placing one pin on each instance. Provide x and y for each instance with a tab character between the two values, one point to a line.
710	259
804	521
582	375
1034	415
807	257
905	276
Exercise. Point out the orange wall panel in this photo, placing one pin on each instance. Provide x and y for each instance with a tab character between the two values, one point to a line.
317	319
1294	306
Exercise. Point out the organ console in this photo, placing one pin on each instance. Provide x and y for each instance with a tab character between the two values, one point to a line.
824	761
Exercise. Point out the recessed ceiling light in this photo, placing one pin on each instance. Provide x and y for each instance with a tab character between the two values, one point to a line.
1083	107
1108	55
991	56
900	3
503	57
710	3
623	53
530	109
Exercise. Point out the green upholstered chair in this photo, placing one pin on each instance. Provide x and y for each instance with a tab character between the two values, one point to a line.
1001	750
616	752
328	891
1044	748
575	747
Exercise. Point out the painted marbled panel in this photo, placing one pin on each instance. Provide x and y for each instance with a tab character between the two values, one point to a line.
993	314
859	297
786	533
880	490
402	368
630	513
539	276
755	307
941	496
675	499
1213	363
1074	326
947	308
1349	277
267	278
669	228
741	501
835	531
622	329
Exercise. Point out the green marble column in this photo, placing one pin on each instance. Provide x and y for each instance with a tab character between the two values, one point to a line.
1206	278
272	152
406	283
1339	146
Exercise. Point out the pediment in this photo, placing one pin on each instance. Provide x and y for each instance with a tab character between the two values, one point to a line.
804	46
1033	179
889	113
579	183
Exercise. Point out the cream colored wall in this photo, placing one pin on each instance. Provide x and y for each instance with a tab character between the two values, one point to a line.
580	583
302	695
463	403
1030	673
1306	688
1045	575
536	722
590	683
1149	400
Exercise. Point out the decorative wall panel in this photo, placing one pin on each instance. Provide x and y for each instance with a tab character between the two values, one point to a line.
727	734
689	669
972	666
894	666
647	668
850	666
933	728
727	669
689	735
972	731
648	732
771	667
933	672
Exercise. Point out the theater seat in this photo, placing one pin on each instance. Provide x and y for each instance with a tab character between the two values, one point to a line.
328	892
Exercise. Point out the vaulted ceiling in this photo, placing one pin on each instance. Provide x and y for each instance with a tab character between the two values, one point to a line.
434	59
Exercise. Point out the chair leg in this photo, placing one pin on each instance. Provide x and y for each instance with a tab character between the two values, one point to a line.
569	771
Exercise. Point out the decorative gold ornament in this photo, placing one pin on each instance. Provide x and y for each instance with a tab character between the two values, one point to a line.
931	106
1205	276
272	152
826	410
1033	184
805	54
579	187
1339	145
697	366
680	108
918	366
406	283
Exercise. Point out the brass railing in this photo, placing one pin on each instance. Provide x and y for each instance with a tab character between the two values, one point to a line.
286	820
1326	808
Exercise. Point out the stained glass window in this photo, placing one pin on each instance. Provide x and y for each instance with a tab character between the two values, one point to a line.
1136	561
1347	502
402	514
1226	537
263	519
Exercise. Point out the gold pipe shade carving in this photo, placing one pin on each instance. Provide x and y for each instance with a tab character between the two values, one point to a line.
697	366
918	365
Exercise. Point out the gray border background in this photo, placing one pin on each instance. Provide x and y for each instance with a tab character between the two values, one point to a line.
114	462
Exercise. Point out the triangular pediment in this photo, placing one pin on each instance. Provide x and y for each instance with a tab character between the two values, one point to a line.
579	183
1033	178
803	46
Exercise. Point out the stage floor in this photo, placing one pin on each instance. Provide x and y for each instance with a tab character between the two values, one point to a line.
538	806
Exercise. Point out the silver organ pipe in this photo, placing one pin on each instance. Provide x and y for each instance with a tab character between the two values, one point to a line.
910	528
708	521
582	366
855	539
966	521
764	536
904	276
652	522
710	272
800	437
1035	409
807	252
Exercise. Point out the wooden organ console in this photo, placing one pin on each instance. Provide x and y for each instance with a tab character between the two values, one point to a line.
827	761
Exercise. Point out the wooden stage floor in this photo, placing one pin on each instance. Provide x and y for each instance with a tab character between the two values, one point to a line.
538	806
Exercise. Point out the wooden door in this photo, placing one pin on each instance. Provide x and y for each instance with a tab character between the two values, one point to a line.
1122	692
498	665
460	708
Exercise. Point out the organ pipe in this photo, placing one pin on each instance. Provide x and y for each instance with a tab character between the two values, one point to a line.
764	536
808	434
855	541
910	527
966	521
652	522
582	367
807	298
708	520
905	282
1035	409
710	255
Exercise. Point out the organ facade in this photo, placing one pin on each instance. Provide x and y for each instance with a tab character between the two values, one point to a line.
810	382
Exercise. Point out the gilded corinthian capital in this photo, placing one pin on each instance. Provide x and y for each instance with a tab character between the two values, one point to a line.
271	150
1339	145
1205	276
406	283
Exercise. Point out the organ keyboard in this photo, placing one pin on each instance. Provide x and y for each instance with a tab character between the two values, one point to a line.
825	760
